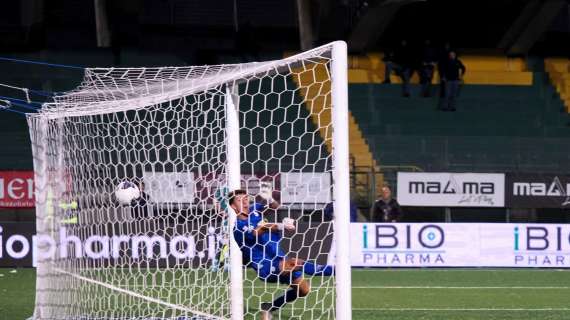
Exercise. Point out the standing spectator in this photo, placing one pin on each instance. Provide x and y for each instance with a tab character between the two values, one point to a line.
386	209
427	68
443	56
401	63
453	74
389	62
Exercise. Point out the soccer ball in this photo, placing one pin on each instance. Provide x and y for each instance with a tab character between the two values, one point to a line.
126	192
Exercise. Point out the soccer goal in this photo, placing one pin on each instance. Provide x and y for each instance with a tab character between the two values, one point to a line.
181	139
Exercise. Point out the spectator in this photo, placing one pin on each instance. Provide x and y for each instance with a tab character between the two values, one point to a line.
386	209
329	210
389	62
443	56
453	74
427	67
401	63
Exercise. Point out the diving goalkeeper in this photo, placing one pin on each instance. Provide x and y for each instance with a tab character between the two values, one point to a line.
259	244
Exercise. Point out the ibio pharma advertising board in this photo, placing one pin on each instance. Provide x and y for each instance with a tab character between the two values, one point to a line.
460	245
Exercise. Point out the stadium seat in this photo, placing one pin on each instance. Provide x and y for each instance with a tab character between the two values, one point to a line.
496	127
486	70
319	109
559	72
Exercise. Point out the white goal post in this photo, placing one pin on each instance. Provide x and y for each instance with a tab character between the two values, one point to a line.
186	136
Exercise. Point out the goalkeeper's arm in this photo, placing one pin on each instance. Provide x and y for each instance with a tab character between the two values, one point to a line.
266	193
262	227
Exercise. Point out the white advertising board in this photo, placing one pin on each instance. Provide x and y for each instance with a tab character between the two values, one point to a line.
169	187
444	189
305	187
460	245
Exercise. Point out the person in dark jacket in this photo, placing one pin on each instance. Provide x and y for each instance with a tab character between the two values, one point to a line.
453	74
442	56
401	62
389	65
427	67
386	209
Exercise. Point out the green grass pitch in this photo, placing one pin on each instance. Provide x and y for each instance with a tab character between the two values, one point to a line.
466	294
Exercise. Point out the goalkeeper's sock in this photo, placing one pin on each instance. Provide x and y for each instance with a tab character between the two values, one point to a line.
289	296
317	269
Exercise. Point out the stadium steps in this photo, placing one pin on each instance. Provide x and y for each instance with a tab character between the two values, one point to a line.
495	128
559	73
484	70
313	84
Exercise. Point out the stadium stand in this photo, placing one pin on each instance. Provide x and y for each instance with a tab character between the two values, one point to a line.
559	72
485	70
299	130
319	108
497	128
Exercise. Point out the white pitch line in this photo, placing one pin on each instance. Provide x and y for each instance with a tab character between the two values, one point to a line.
140	296
461	309
444	287
412	269
373	287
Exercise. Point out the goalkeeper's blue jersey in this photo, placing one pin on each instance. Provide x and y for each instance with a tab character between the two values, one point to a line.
257	249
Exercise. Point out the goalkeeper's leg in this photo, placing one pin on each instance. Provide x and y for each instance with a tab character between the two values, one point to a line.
285	271
289	265
290	273
314	269
299	288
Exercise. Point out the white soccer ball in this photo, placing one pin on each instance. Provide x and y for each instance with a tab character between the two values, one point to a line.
126	192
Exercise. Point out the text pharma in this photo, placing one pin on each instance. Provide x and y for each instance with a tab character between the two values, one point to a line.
542	246
62	245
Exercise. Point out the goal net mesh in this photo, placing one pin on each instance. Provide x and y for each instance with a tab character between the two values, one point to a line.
164	256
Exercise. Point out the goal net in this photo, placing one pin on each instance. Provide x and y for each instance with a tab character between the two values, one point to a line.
185	136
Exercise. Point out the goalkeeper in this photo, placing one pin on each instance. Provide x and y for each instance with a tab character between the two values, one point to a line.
259	242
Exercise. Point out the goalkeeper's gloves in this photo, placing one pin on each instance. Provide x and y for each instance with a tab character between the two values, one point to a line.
266	192
288	224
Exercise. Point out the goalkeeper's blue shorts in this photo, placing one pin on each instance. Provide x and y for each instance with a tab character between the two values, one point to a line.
268	270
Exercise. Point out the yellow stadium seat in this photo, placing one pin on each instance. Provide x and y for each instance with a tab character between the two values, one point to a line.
493	63
559	72
485	70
